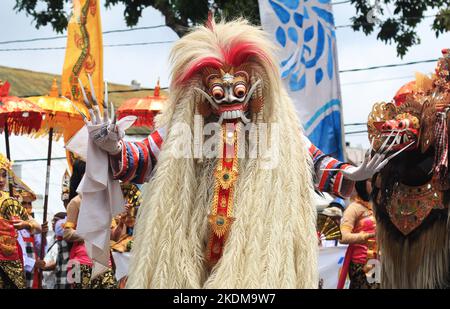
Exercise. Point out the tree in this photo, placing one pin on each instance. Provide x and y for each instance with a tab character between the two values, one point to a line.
401	28
181	14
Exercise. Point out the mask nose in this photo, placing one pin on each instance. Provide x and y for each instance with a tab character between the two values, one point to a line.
389	125
228	94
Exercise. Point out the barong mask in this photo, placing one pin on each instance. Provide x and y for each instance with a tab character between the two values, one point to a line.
228	94
416	122
399	126
228	81
410	121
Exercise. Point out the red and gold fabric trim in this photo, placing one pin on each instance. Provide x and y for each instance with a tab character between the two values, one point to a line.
226	175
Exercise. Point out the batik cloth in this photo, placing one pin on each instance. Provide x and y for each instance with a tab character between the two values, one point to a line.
49	276
104	281
12	275
61	265
62	258
358	278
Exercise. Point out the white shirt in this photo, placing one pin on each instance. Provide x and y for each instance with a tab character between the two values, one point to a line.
49	276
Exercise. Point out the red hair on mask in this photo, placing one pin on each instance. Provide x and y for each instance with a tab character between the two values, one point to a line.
233	55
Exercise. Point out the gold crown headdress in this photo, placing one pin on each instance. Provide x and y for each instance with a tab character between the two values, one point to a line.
5	163
132	195
21	190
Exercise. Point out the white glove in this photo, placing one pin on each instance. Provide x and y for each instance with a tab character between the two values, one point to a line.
367	168
106	136
105	133
78	143
373	165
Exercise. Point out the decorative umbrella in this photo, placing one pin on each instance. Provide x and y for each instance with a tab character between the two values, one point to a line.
60	117
144	109
17	115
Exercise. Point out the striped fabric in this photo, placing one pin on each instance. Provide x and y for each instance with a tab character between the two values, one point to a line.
441	153
138	159
332	182
61	264
26	241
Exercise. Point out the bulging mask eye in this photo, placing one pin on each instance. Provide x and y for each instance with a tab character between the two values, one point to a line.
217	92
404	124
240	90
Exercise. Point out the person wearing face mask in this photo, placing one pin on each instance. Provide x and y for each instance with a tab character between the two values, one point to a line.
54	265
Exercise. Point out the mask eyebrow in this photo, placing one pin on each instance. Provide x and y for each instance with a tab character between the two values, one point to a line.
197	66
243	74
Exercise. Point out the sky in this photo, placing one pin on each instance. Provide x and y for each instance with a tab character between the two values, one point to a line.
148	63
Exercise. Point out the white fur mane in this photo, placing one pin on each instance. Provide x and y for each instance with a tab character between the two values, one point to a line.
272	243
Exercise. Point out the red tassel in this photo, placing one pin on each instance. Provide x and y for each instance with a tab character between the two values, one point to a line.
441	152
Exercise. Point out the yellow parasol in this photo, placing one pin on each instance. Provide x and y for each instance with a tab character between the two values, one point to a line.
60	115
60	118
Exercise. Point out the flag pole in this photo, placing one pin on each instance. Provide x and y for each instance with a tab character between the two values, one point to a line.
47	185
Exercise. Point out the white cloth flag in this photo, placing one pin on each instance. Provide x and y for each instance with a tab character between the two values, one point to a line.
305	34
122	262
102	197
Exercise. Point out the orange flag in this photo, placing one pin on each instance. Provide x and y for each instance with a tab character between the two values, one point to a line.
84	55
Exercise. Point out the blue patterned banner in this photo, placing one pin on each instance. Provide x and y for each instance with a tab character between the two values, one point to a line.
305	34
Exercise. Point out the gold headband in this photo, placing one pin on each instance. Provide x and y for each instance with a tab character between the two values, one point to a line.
5	164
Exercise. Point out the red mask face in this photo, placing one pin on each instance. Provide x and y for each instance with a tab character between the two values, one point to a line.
401	131
394	127
228	94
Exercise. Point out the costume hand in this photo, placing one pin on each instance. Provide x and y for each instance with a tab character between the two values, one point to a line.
374	164
367	168
104	131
